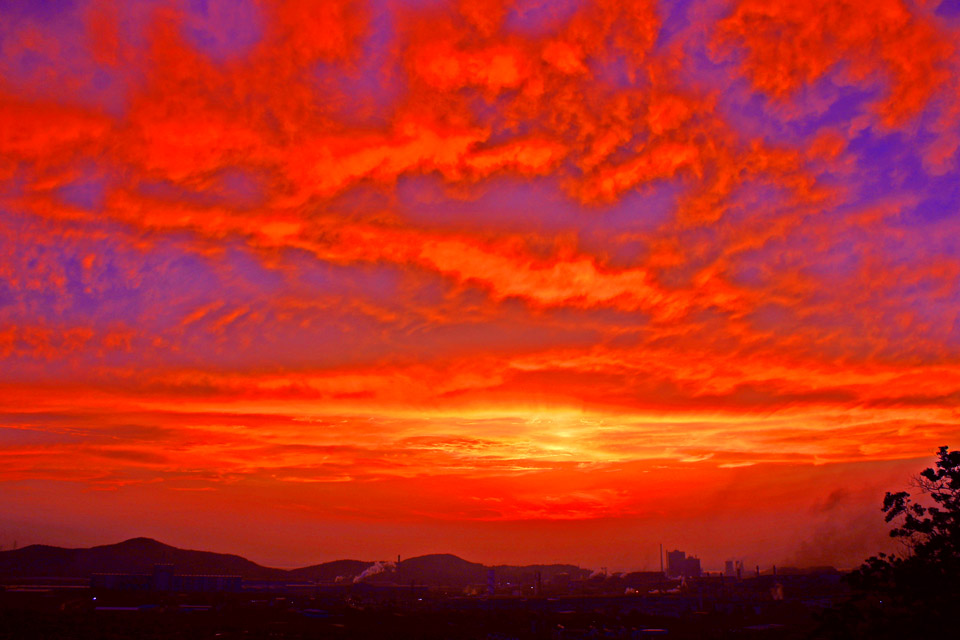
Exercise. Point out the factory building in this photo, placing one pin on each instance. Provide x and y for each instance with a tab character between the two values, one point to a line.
164	578
733	569
679	565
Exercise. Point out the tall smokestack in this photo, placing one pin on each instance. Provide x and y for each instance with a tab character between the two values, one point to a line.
660	579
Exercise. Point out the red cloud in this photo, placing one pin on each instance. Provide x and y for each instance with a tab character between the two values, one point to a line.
790	45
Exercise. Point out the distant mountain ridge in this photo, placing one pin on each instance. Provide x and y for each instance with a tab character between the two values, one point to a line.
139	555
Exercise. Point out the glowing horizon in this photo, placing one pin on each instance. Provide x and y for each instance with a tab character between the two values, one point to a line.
523	281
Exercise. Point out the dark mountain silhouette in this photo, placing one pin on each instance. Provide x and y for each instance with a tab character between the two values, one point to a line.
139	555
441	569
526	573
330	571
452	571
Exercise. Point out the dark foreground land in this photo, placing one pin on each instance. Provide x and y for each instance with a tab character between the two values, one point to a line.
74	614
143	589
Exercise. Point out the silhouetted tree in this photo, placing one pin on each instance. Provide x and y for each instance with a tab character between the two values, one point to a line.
915	593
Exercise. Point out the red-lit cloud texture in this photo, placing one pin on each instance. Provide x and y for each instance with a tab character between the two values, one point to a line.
524	281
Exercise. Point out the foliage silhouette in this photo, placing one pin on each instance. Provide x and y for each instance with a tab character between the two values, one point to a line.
915	593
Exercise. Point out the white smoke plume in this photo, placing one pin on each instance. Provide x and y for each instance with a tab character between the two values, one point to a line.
374	569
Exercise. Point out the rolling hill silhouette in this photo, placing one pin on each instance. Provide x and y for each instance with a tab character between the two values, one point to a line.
330	571
139	555
441	569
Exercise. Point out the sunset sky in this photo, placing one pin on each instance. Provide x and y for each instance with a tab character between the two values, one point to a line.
530	281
